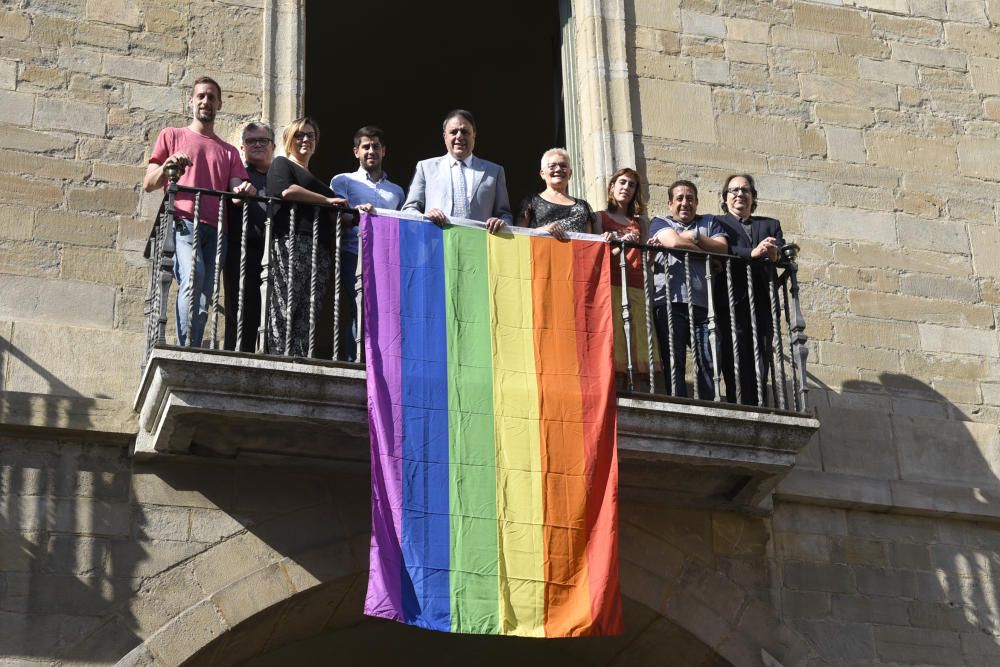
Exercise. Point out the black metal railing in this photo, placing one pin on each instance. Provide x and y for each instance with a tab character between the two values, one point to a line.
746	339
744	336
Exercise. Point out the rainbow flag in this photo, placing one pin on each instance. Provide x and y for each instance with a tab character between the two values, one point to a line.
492	416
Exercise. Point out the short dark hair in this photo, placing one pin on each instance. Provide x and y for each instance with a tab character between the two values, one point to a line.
254	126
467	115
753	191
371	132
207	79
681	184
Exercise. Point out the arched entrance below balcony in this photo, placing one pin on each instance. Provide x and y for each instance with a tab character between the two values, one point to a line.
350	639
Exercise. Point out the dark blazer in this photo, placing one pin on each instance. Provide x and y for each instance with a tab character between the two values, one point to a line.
741	246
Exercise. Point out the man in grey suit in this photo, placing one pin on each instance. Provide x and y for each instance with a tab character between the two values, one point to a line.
459	184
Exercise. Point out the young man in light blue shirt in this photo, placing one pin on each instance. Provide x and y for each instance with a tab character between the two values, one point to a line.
365	188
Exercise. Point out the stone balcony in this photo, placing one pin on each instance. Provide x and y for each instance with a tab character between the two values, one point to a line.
255	409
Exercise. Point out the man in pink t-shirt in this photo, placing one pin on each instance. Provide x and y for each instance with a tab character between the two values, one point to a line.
209	163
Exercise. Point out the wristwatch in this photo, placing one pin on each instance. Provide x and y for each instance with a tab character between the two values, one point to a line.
697	234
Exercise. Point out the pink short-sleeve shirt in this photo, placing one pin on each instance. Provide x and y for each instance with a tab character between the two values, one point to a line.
213	164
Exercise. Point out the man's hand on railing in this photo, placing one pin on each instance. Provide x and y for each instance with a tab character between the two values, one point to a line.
244	188
436	216
766	248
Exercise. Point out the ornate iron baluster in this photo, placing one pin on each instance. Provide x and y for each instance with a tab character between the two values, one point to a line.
669	308
649	319
626	318
217	274
797	328
754	342
195	252
712	339
779	351
290	276
691	326
265	285
338	229
730	294
241	291
314	283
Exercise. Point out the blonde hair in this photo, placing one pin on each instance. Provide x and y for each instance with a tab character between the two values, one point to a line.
288	136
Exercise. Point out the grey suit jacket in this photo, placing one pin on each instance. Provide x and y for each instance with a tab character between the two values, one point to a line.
431	188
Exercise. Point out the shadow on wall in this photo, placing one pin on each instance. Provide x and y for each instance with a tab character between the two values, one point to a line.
905	567
68	534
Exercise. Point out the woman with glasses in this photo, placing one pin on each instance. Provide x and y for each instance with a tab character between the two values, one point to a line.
625	219
757	240
290	177
553	210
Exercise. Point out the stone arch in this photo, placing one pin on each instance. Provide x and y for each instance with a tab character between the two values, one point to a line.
700	577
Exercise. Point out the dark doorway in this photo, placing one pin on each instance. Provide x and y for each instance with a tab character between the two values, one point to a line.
403	65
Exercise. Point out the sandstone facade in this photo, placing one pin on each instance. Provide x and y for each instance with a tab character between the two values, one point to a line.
872	127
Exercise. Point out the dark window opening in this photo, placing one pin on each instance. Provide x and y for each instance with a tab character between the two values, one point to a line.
403	65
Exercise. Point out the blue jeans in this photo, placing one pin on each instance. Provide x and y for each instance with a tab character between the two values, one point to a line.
349	310
200	280
704	371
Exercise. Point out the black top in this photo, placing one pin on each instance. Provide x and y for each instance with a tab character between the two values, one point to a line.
742	240
284	173
573	217
257	213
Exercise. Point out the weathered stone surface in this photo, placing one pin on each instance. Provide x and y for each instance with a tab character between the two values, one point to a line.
64	115
75	229
846	91
871	304
16	108
978	156
103	200
110	267
839	223
118	12
667	101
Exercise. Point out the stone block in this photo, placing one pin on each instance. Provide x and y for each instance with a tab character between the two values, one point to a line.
931	365
61	302
869	610
215	525
780	188
738	535
651	553
103	200
790	517
807	40
119	12
28	259
910	556
15	225
930	56
8	74
918	646
841	114
936	235
968	11
165	19
851	642
659	15
831	19
748	30
14	25
862	47
837	354
870	255
978	157
135	69
665	102
972	210
985	76
163	523
804	605
746	53
23	139
129	307
937	287
860	551
77	357
805	547
651	65
46	167
965	341
252	594
118	173
703	25
16	108
105	266
856	93
231	561
901	151
916	309
65	115
985	245
932	450
937	616
910	27
974	40
888	71
765	135
880	582
105	37
853	196
183	636
85	516
894	528
711	71
839	223
156	98
845	144
847	446
818	577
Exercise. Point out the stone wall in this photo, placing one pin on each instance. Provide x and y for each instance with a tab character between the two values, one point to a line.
871	128
85	85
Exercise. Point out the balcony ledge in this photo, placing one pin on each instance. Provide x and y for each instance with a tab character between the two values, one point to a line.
226	405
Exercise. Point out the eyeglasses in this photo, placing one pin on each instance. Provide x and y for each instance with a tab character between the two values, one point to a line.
552	166
257	141
299	136
739	191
